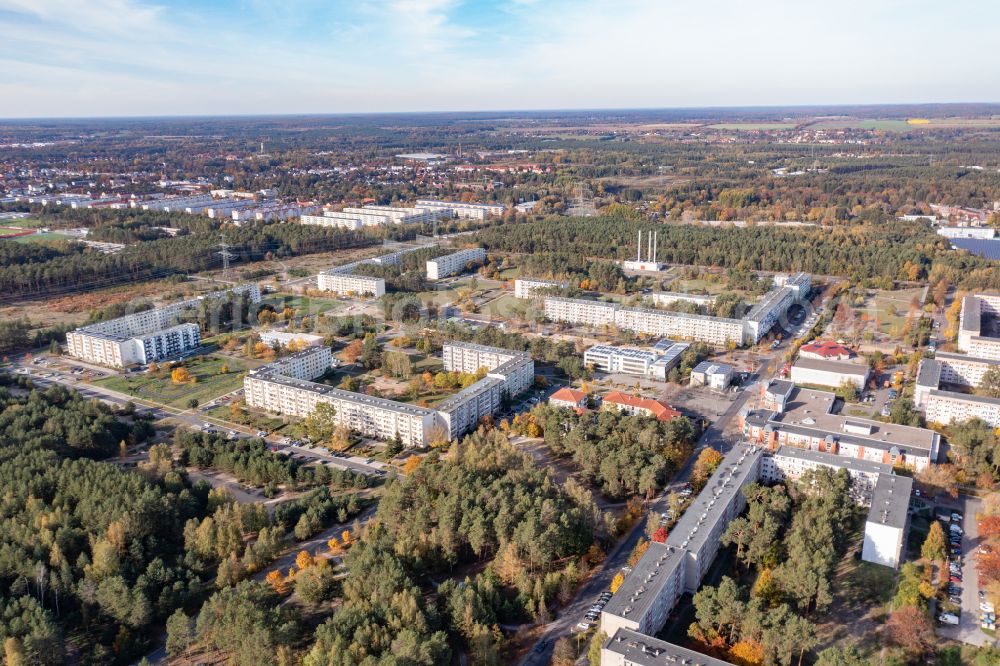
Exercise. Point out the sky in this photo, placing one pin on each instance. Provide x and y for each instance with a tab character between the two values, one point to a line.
76	58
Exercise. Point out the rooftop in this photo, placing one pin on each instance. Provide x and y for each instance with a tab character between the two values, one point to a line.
945	357
972	314
766	304
707	508
891	500
779	387
833	460
661	410
710	368
929	373
645	582
642	650
841	367
826	349
628	352
568	395
485	349
953	395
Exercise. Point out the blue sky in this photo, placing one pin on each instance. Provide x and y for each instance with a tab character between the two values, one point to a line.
160	57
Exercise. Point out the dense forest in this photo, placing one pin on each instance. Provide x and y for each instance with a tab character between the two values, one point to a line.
72	270
893	250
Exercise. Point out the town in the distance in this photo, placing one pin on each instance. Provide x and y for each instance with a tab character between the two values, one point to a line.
633	388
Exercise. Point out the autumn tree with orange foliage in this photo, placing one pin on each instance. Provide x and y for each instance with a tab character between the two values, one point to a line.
180	375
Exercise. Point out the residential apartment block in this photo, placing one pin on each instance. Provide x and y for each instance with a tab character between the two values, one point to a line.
342	280
285	387
668	297
453	264
146	336
807	421
971	338
946	407
471	211
527	287
718	331
641	605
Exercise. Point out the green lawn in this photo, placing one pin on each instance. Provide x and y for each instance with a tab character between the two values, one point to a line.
161	389
34	238
303	305
891	308
257	420
505	305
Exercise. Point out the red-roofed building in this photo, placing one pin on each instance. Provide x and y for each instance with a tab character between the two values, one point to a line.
826	350
639	406
567	397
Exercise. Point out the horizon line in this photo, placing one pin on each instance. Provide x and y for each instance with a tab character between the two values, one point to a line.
540	110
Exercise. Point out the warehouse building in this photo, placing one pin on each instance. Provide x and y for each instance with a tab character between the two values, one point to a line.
455	263
820	372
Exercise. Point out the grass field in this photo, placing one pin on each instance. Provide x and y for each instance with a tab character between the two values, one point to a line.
160	388
890	307
35	238
301	304
697	286
860	123
8	231
505	305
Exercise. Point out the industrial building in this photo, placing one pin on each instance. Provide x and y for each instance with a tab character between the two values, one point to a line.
455	263
649	263
146	336
527	287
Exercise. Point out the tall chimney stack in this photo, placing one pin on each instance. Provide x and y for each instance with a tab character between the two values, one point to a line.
638	247
655	234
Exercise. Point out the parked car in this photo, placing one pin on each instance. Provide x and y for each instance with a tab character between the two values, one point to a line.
956	517
948	618
956	529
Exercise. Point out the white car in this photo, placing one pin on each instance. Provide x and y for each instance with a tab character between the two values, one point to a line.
947	618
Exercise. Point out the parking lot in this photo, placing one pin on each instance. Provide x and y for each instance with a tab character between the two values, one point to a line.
970	616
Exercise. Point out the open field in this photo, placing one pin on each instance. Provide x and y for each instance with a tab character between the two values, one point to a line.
860	123
35	238
753	126
8	232
302	305
889	308
159	387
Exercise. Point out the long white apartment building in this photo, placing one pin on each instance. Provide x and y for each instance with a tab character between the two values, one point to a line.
528	287
580	311
946	407
971	339
342	280
648	593
641	605
344	220
146	336
455	263
174	204
668	297
398	215
470	211
508	374
700	528
888	521
718	331
285	387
